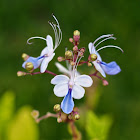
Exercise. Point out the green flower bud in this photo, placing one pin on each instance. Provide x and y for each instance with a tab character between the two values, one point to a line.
76	116
93	57
68	54
29	66
57	108
25	56
76	32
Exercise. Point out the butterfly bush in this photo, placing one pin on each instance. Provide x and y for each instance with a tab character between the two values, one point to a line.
70	84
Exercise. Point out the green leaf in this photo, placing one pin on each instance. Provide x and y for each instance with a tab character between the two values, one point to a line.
98	128
23	127
6	111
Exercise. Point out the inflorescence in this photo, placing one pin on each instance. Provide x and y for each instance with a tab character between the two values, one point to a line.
71	83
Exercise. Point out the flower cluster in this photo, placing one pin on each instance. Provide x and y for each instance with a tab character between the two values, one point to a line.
71	83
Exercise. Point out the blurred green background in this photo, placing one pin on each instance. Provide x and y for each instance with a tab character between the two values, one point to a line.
20	20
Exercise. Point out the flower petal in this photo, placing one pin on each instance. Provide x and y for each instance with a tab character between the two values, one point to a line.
49	43
77	92
60	79
90	47
45	62
62	69
99	68
44	51
61	90
98	56
110	68
67	104
35	61
83	80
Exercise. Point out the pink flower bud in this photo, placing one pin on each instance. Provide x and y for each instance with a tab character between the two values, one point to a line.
105	82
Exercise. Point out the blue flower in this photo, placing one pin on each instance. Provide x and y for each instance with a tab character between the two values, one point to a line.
47	53
70	88
109	68
35	61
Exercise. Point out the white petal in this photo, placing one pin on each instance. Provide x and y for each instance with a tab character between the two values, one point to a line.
44	51
98	56
45	62
60	79
90	47
61	90
77	92
83	80
99	68
49	43
62	69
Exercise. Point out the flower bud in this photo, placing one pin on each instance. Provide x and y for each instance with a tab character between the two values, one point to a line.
93	57
72	63
82	50
21	73
76	116
81	54
59	120
29	66
89	64
35	114
68	54
71	40
25	56
57	108
75	48
60	59
76	33
105	82
70	116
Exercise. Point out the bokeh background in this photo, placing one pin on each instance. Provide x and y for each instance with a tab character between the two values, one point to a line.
20	20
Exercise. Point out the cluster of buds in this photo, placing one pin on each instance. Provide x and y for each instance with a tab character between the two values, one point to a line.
71	56
62	117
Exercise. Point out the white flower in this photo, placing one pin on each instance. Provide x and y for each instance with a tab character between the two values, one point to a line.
47	53
110	68
70	88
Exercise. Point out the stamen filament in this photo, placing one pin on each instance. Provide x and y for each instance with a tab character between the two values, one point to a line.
55	32
105	40
35	38
103	36
110	46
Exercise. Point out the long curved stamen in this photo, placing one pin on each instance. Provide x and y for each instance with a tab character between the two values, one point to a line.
105	40
58	26
60	35
103	36
34	38
110	46
55	32
55	19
